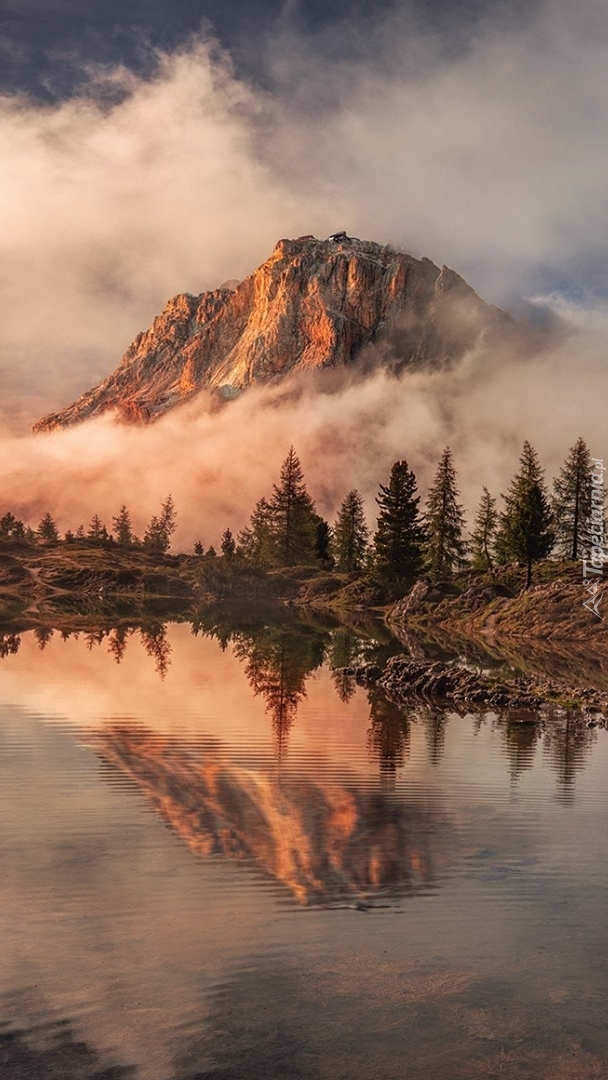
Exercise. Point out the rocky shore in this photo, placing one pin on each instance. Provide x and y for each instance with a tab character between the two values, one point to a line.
404	678
497	606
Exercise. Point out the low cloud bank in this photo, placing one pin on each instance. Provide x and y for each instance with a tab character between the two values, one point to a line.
347	433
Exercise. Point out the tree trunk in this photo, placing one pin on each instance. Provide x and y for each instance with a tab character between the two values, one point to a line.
529	575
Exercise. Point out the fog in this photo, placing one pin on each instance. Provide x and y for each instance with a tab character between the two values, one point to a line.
484	156
346	432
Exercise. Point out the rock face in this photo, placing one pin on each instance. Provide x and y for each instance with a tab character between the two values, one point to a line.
313	304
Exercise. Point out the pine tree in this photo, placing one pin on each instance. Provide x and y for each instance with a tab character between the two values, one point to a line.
445	549
168	520
400	534
11	527
350	534
97	530
157	537
198	548
47	529
483	537
153	537
254	541
228	545
292	516
525	531
571	503
122	527
322	541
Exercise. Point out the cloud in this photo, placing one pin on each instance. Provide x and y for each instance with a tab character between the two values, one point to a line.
482	153
488	157
347	434
110	209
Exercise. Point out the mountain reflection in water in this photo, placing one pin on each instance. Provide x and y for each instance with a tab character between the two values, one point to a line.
175	796
327	842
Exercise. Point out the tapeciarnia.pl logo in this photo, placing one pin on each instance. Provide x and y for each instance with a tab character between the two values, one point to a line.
593	568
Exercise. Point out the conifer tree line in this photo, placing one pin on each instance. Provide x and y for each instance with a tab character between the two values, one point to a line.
157	537
410	539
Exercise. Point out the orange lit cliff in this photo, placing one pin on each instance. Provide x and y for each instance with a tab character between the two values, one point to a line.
313	304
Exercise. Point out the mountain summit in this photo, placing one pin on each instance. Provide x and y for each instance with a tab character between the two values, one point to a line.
313	304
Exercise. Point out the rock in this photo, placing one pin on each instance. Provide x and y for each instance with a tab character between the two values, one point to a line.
420	596
313	304
367	674
523	696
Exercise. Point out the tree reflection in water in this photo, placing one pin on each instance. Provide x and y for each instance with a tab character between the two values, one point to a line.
154	641
565	739
344	651
279	654
9	644
43	635
567	745
435	721
117	641
389	735
280	649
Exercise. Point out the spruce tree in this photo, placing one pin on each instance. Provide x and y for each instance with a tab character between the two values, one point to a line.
525	531
483	537
47	529
571	503
157	537
227	545
400	534
167	522
293	520
350	534
153	537
254	541
445	548
122	527
97	530
11	527
323	541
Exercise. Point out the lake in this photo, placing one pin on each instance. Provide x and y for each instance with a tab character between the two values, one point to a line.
221	859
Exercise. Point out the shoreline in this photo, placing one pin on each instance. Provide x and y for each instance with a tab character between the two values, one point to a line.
544	629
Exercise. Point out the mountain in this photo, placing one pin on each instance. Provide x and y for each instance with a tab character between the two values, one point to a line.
313	304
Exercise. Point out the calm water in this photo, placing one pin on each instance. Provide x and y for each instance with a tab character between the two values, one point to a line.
220	860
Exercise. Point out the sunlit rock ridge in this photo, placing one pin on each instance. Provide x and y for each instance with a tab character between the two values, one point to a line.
313	304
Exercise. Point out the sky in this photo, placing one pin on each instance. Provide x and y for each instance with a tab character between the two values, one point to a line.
155	148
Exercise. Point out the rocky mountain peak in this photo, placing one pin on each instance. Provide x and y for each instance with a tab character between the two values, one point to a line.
313	304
